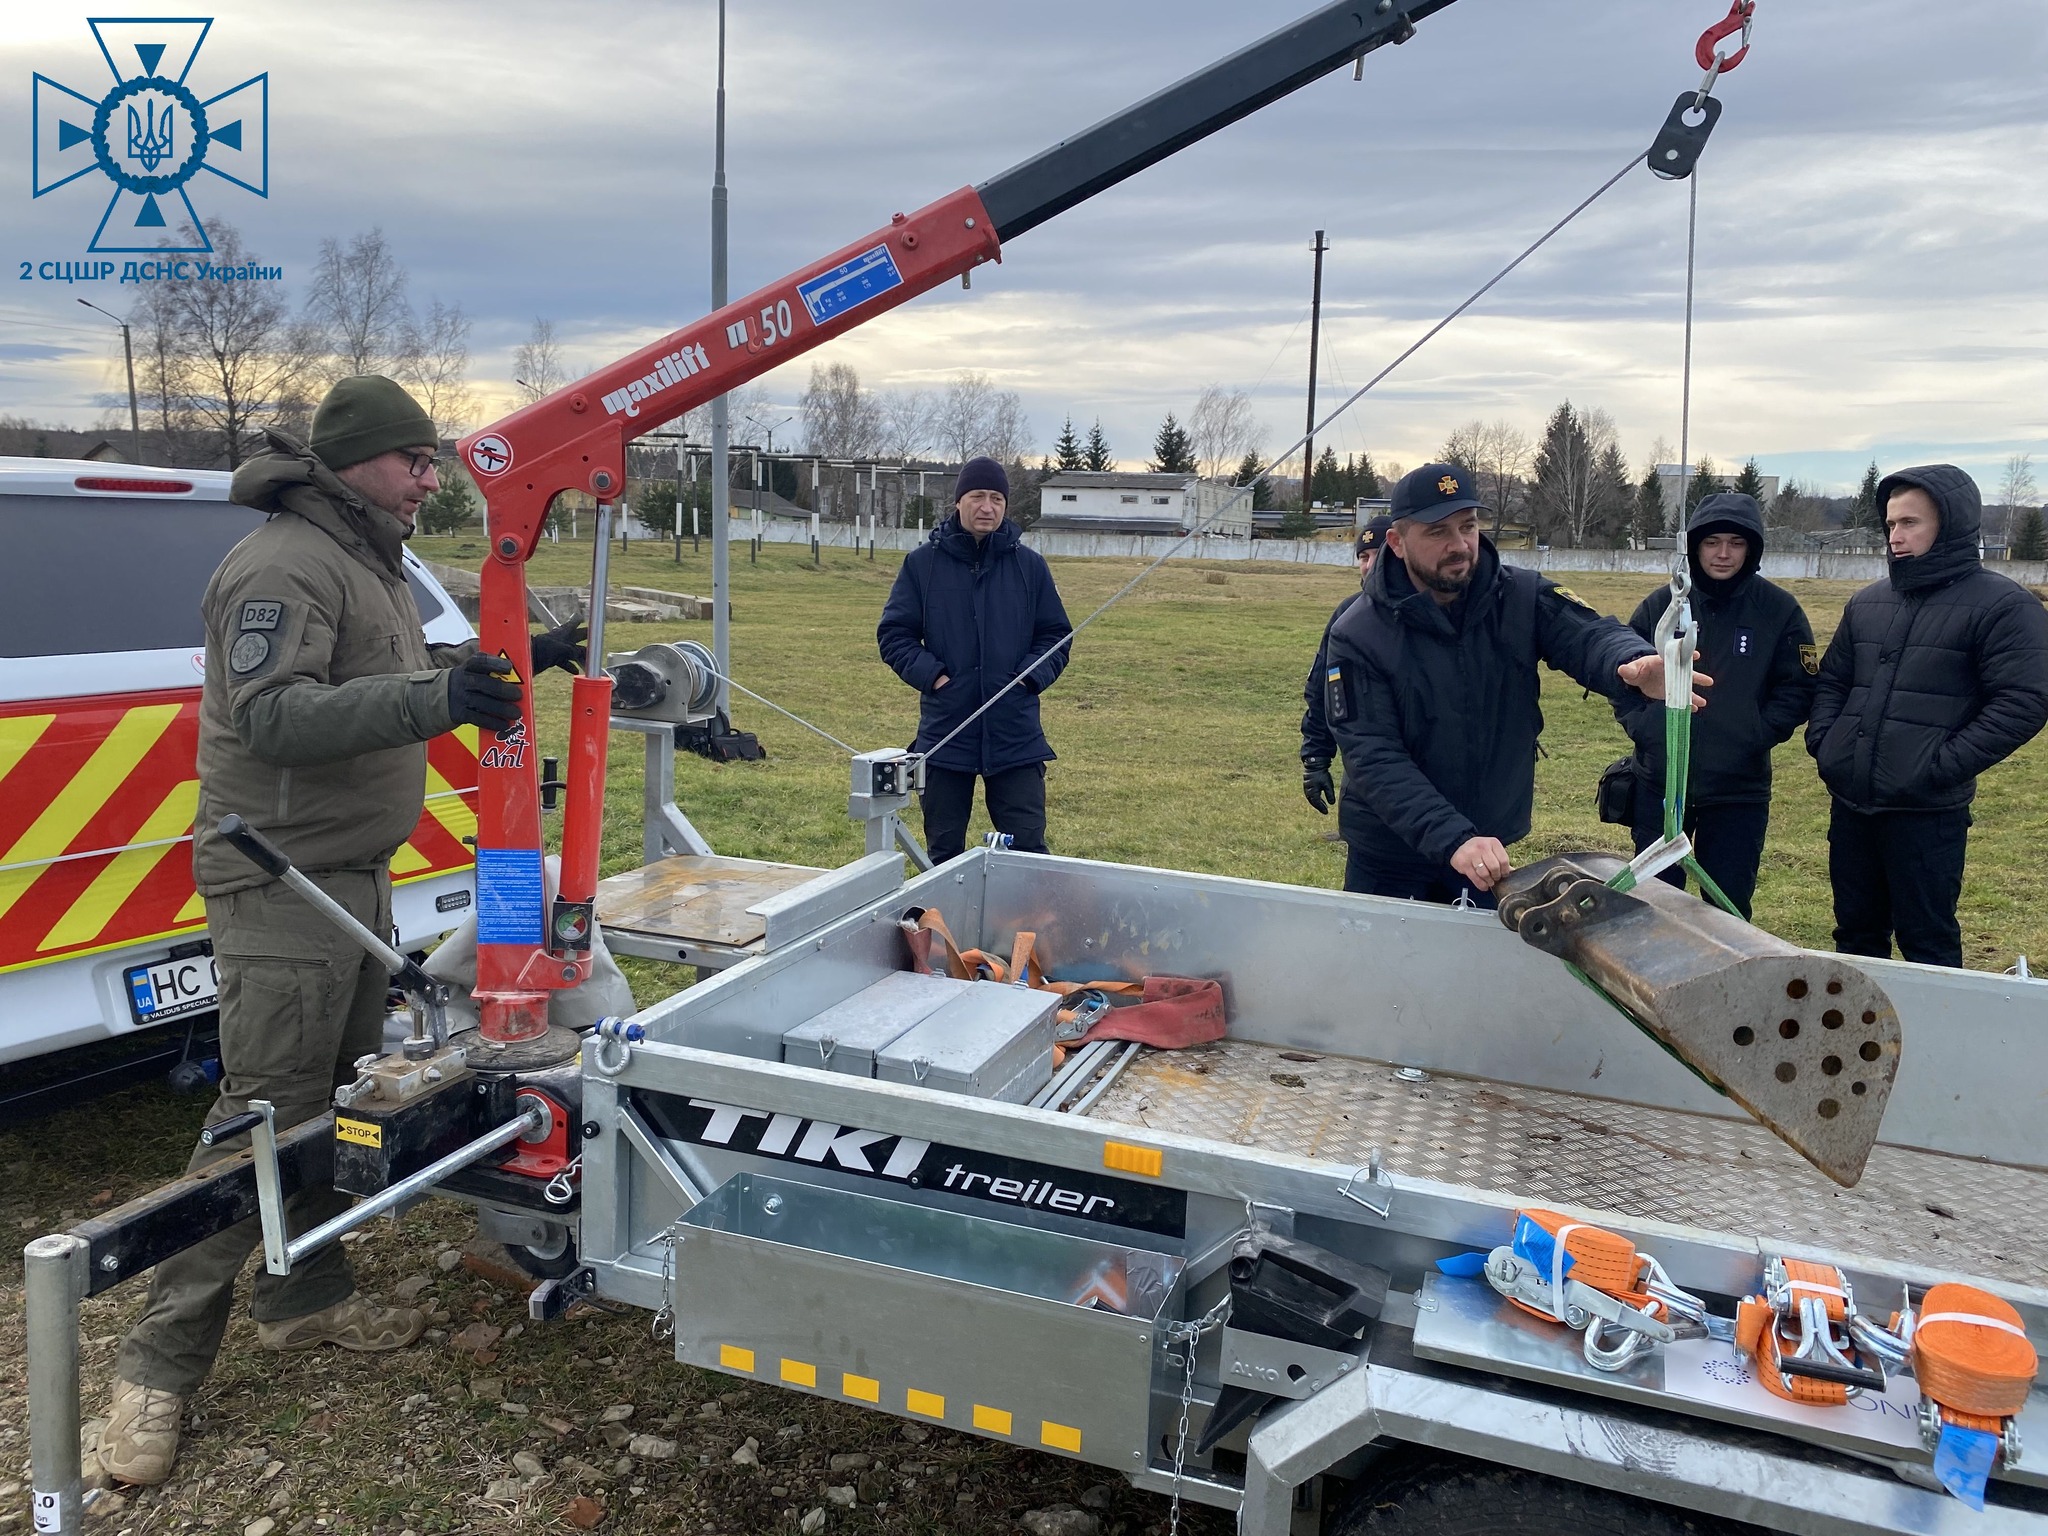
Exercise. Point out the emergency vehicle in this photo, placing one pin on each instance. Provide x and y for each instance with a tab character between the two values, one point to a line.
101	658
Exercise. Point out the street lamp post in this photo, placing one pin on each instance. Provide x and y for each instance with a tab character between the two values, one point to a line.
134	405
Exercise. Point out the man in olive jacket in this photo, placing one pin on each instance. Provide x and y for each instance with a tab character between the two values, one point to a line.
1936	673
320	695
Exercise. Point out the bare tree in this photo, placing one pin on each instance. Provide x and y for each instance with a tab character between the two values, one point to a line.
906	423
1576	486
1222	430
1009	431
537	366
1793	508
1496	453
842	417
960	420
2016	490
357	300
224	360
436	364
1462	447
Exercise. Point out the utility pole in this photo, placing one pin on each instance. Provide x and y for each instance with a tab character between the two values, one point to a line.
1315	336
721	469
134	406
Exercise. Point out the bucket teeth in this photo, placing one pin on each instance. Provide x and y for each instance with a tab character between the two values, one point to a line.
1806	1042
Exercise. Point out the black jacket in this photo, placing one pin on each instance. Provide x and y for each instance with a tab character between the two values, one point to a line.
1755	643
1440	720
1936	672
1317	744
978	613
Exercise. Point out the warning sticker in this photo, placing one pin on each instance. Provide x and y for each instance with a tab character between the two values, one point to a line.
869	275
509	897
362	1132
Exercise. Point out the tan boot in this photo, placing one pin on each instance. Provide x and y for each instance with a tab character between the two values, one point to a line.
141	1438
353	1323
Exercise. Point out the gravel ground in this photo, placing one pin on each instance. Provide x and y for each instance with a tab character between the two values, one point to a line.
492	1423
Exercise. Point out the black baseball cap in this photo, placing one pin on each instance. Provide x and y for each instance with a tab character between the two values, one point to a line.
1373	535
1434	492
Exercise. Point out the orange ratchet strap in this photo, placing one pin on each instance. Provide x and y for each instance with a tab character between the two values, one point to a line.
1972	1357
1798	1333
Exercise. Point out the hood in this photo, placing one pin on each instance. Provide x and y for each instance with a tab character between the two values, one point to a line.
1726	512
289	478
956	541
1961	506
1394	589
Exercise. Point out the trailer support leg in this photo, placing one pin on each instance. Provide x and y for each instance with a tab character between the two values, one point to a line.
54	1276
1294	1443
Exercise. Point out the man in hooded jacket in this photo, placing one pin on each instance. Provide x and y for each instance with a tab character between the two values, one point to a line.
1318	746
1433	695
1935	674
973	610
1754	641
319	697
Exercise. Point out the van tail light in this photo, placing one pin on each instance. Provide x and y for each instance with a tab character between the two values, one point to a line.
146	487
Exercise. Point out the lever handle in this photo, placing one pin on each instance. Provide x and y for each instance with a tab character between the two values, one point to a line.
228	1129
254	846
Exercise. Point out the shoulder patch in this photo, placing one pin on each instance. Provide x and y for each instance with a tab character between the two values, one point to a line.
261	613
1809	658
250	650
1572	597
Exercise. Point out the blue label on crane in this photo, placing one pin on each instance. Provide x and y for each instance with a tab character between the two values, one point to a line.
509	896
851	283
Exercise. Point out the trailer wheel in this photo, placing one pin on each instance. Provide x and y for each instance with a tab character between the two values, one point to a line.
1452	1496
549	1263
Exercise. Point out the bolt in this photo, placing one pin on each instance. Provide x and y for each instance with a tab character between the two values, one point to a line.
772	1205
1383	7
110	1262
508	546
592	1130
970	223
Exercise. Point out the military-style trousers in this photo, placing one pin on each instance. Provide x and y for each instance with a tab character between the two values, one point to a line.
299	1003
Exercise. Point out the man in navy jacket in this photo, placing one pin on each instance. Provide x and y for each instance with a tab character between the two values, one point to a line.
972	610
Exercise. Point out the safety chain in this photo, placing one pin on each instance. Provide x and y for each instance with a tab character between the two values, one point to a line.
1188	1335
664	1325
561	1189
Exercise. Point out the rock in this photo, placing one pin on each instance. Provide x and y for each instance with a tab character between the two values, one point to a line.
916	1434
778	1492
10	1490
841	1497
853	1461
414	1403
280	1501
477	1337
748	1455
813	1520
270	1471
965	1501
104	1504
517	1410
618	1413
710	1410
873	1485
1062	1520
490	1388
583	1512
528	1465
615	1435
1098	1497
448	1259
790	1432
652	1447
623	1467
262	1525
408	1290
505	1490
560	1426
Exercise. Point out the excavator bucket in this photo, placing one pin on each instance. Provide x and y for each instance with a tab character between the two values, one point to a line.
1805	1042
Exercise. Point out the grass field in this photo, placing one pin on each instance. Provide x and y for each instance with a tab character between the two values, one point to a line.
1176	727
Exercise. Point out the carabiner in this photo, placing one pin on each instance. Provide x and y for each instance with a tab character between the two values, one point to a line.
1741	16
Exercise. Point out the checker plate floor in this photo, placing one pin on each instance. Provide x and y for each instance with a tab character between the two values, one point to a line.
1535	1146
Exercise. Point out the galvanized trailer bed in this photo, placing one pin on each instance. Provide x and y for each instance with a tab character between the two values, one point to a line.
892	1246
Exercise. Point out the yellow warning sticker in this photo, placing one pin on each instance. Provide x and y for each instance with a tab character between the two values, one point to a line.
362	1132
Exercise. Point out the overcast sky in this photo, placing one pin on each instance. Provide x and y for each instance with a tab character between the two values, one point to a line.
1874	272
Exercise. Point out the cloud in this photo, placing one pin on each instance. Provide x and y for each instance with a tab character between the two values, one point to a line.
1872	206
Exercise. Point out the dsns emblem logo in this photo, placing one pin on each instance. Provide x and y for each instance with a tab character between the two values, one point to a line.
151	134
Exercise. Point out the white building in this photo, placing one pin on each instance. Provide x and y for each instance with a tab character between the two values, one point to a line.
1672	480
1081	500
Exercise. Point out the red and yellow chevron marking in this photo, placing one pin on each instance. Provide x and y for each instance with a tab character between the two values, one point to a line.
97	797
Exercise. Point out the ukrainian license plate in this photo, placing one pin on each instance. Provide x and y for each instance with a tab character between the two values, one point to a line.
171	989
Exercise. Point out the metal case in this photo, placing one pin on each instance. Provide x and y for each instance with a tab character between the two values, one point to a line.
992	1042
847	1036
927	1313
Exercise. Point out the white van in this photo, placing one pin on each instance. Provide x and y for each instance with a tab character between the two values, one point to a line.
101	657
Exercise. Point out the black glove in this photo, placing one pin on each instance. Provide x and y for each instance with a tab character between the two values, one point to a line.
1317	784
481	693
561	647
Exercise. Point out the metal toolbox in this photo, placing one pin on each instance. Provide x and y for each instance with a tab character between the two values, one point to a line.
994	1041
927	1313
846	1036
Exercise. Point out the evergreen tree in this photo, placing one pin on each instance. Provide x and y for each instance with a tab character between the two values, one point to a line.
1750	482
1704	483
1365	480
1251	471
1068	453
1327	485
2030	542
1097	456
1297	523
452	508
655	505
1172	453
1866	513
1650	516
1614	493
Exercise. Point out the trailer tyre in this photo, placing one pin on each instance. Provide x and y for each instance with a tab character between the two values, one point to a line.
1451	1496
546	1263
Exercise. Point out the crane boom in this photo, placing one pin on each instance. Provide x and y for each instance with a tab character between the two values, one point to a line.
575	440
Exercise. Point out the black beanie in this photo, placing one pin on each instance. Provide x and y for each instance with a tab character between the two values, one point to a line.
366	415
981	474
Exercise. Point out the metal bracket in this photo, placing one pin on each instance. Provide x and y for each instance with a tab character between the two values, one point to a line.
1280	1367
798	913
1378	1194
